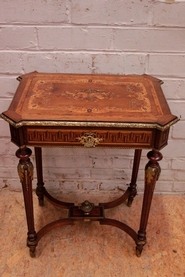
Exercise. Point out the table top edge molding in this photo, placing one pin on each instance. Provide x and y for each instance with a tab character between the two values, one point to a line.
89	123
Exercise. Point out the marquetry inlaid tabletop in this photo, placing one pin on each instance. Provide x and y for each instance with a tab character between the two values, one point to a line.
71	98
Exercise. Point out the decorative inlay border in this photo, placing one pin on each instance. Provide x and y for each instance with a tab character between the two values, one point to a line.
71	137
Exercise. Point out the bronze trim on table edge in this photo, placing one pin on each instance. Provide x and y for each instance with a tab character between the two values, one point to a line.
89	124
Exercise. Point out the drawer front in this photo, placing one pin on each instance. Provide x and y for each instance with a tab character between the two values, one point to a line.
44	136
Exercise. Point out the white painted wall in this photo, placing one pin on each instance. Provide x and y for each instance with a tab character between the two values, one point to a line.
95	36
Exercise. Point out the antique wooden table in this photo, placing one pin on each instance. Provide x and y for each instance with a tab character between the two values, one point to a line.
88	111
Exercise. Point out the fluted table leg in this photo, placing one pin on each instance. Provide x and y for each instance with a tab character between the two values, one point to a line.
152	172
40	183
25	171
133	185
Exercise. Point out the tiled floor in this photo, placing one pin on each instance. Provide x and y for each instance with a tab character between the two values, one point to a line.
92	250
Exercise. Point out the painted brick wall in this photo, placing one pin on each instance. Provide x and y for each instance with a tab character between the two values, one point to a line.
95	36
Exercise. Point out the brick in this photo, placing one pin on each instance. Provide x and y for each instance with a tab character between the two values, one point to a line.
4	129
179	175
179	187
112	185
11	184
18	38
110	152
101	173
8	148
121	174
34	11
109	63
166	65
118	63
175	148
110	12
164	186
8	86
4	104
67	161
10	63
178	108
88	152
9	173
174	88
118	162
178	164
170	133
89	185
135	63
7	161
81	162
52	185
141	176
63	174
153	40
166	175
68	186
121	162
59	62
102	162
79	38
60	152
178	130
168	14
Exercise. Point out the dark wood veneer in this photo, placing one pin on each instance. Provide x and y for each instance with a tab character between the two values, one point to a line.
78	110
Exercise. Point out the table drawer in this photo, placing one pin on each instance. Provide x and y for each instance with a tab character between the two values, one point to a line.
89	137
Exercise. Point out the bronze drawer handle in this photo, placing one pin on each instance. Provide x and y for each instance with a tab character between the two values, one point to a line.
89	140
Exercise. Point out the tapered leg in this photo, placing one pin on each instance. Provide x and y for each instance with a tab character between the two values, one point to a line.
40	183
25	171
133	185
152	172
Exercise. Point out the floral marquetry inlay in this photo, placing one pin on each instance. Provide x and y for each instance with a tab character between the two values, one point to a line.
72	99
131	96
